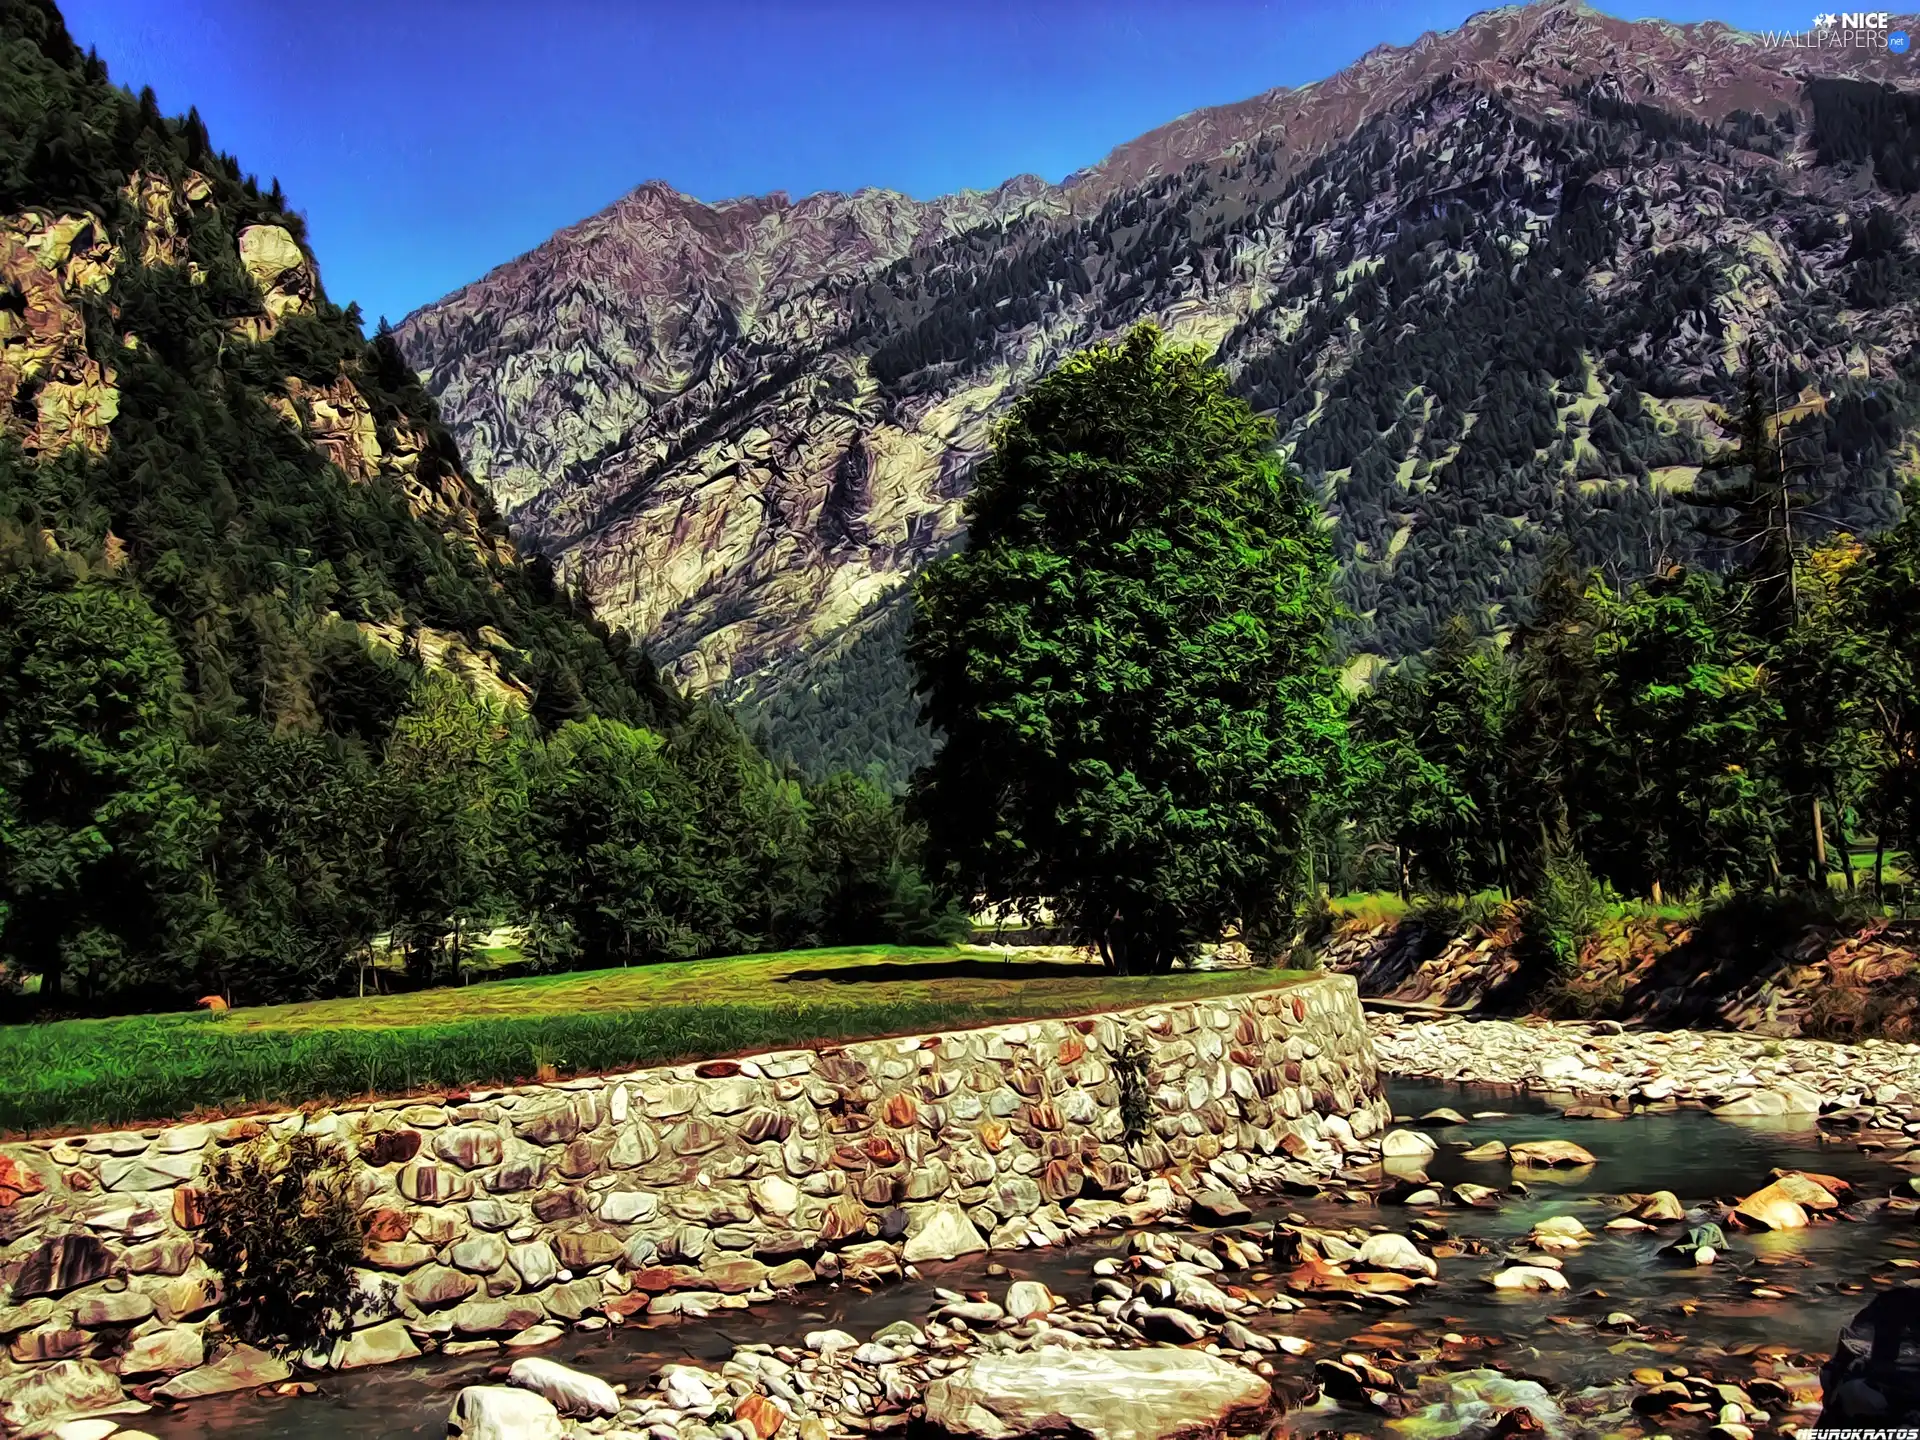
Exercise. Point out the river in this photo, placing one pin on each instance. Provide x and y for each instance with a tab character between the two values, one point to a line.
1689	1152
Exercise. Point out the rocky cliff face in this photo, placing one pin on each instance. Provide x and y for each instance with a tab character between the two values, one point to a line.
1492	286
58	269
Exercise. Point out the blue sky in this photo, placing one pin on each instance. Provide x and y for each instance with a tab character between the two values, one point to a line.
428	141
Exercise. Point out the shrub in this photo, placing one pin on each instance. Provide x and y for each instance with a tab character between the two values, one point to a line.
1566	907
1136	1099
282	1232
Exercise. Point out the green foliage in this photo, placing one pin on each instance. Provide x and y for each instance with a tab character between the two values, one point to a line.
1129	661
849	708
1871	655
99	836
283	1234
1431	747
1130	1068
456	801
1566	906
865	863
240	738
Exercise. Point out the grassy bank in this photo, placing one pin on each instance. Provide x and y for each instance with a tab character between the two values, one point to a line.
76	1074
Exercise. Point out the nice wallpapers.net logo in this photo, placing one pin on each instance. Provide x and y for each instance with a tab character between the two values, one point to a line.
1846	30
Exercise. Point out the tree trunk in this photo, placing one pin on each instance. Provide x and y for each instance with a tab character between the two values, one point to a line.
1880	864
1845	842
1657	899
1819	847
1400	864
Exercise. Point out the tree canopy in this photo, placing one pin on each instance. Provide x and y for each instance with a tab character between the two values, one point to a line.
1129	661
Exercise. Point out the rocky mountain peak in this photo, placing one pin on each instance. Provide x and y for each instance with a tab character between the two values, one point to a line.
1491	284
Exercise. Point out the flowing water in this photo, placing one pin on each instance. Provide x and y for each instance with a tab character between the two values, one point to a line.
1696	1156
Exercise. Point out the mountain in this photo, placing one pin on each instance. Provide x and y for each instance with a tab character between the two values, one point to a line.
1492	286
190	412
249	595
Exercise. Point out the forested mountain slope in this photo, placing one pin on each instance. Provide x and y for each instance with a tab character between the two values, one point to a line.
273	680
1494	287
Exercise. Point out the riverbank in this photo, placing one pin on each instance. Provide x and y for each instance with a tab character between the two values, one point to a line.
1872	1084
1363	1307
1758	965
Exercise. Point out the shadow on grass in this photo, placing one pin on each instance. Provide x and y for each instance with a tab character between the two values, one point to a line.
966	969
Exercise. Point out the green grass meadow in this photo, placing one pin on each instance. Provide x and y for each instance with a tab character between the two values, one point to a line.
76	1074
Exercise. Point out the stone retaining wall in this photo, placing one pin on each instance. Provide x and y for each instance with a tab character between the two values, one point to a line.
680	1189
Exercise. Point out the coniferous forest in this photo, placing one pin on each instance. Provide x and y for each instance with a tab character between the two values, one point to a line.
273	682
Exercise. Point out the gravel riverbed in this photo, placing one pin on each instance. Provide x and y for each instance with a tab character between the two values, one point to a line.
1733	1074
1486	1272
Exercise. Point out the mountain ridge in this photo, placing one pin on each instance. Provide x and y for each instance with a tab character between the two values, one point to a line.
745	451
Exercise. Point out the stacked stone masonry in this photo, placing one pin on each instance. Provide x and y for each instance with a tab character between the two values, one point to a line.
682	1189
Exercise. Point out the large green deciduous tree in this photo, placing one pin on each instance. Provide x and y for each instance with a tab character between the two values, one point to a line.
99	837
1130	661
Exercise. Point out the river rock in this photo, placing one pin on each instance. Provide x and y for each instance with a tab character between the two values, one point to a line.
570	1391
480	1254
241	1368
66	1262
1772	1208
1809	1191
1758	1102
1163	1322
941	1233
1102	1395
1549	1154
1396	1253
497	1317
1559	1232
47	1392
1443	1115
1220	1207
758	1416
1407	1145
1662	1207
1492	1150
434	1287
584	1249
166	1351
534	1263
1488	1403
1529	1277
1027	1298
501	1412
124	1307
686	1389
374	1345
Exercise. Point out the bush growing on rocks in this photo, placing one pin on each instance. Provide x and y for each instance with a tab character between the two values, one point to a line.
282	1232
1136	1101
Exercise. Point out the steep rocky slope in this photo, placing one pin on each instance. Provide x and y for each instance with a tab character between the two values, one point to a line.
1492	286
